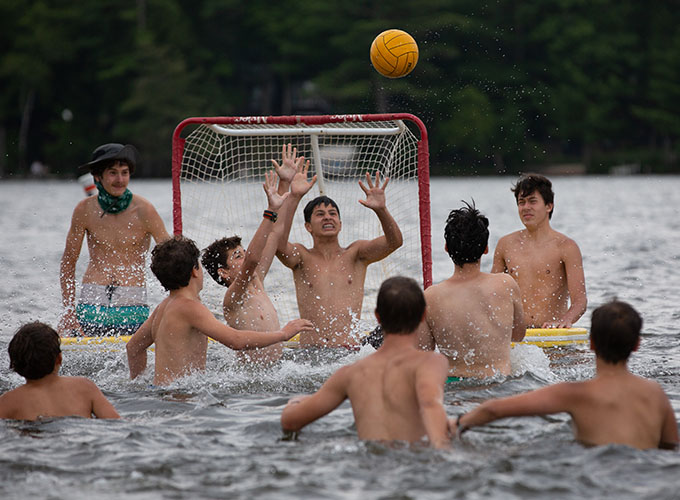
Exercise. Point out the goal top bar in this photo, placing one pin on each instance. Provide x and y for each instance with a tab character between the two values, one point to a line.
301	120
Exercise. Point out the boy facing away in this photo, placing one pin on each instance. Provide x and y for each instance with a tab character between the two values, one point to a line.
181	324
397	392
615	407
472	316
34	353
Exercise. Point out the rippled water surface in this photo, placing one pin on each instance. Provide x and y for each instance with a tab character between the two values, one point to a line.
217	434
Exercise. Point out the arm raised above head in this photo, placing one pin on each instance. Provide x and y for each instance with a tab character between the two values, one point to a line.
288	253
261	249
380	247
301	411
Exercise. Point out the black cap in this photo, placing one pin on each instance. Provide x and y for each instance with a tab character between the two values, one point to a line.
113	151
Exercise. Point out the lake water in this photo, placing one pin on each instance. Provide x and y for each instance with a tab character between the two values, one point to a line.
217	434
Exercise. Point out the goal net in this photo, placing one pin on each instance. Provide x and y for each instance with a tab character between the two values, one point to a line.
218	170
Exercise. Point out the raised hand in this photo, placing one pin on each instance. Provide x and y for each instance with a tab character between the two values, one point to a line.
375	193
300	184
270	185
290	163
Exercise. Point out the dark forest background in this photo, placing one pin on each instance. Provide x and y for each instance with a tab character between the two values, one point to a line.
503	86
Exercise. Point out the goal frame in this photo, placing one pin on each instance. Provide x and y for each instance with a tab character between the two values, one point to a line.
178	143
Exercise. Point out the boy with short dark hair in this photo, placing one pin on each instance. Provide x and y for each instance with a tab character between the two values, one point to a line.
472	317
615	407
397	392
180	325
246	305
546	264
35	354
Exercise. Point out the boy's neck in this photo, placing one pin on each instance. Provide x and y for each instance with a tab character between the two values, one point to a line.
396	341
603	367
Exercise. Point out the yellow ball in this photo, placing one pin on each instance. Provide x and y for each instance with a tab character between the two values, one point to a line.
394	53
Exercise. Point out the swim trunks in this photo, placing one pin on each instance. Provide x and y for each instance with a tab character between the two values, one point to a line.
109	310
453	379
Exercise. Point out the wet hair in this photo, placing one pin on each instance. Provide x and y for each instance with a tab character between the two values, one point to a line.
215	257
400	305
173	260
615	330
466	234
33	350
319	200
528	183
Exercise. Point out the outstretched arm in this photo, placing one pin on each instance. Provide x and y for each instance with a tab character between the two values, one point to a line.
67	275
544	401
256	259
379	248
288	253
430	380
200	318
303	410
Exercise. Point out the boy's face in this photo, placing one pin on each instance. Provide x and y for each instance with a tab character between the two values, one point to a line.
324	221
532	209
115	179
235	258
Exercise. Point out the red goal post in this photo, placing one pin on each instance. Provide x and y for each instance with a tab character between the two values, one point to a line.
218	164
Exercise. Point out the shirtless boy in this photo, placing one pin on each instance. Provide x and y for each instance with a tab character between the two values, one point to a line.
397	392
329	279
546	264
246	305
472	316
119	227
34	353
180	325
615	407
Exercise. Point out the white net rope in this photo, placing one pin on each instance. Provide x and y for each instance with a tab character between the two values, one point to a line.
221	178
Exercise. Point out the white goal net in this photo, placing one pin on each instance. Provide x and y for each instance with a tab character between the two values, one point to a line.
219	167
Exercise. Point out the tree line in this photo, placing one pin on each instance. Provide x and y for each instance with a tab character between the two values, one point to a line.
503	86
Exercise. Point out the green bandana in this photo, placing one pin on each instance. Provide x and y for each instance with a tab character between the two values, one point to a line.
112	204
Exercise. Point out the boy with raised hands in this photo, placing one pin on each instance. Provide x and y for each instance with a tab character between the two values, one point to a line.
246	305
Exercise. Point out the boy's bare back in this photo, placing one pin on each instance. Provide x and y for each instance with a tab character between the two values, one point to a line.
472	321
180	348
55	396
387	391
622	409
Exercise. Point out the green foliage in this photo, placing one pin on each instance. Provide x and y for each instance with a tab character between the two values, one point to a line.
501	86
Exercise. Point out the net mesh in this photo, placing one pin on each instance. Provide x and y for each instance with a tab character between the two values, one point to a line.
221	176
